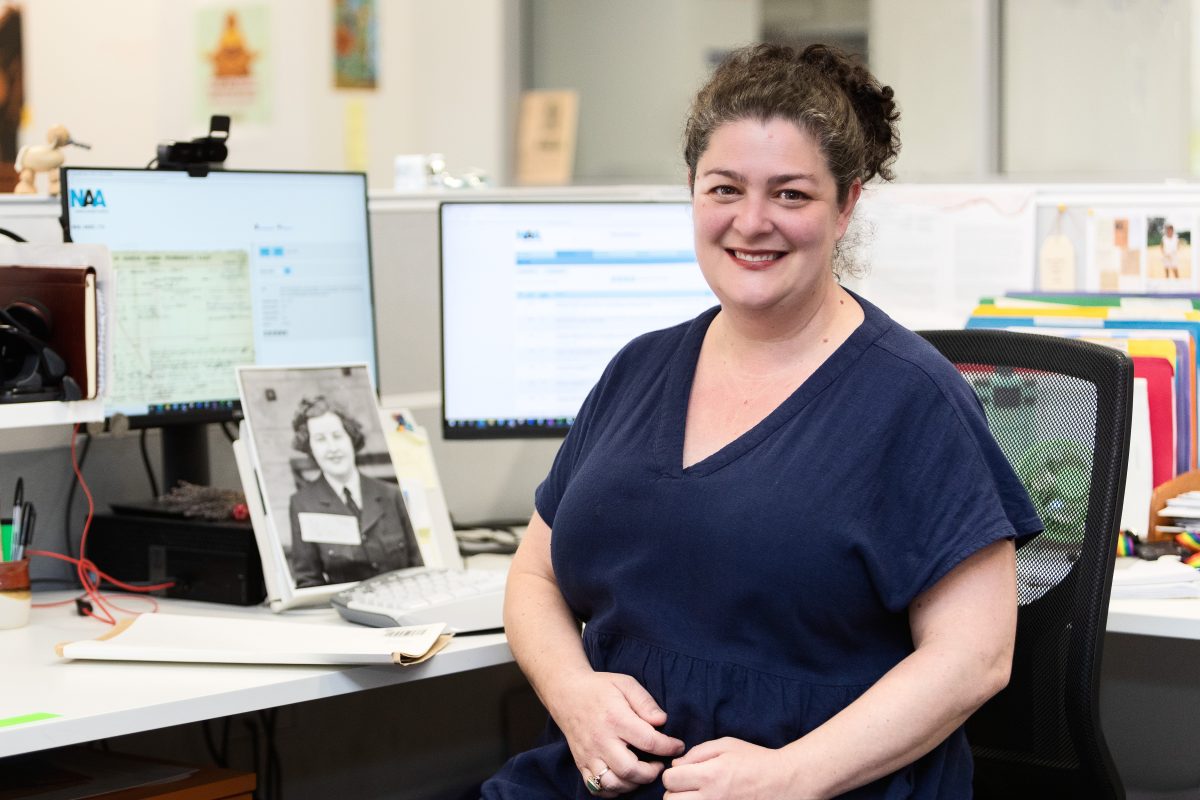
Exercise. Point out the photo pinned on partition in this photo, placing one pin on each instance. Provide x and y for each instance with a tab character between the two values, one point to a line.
1116	254
1169	251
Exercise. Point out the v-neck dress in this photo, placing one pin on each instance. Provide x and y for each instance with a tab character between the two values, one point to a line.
760	591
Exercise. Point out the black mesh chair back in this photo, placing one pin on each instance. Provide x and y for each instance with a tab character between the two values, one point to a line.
1060	410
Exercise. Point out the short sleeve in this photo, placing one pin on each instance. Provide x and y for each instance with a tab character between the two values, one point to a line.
952	493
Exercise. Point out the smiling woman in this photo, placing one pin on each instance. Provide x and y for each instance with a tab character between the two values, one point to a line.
785	522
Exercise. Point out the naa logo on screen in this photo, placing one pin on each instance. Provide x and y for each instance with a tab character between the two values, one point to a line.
87	198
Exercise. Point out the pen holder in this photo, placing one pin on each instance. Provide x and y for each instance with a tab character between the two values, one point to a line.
15	597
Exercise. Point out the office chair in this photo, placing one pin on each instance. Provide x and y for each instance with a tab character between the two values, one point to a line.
1060	410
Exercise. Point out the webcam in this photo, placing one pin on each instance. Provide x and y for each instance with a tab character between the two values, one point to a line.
205	151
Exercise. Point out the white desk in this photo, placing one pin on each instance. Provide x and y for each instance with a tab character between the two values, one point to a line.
96	699
1173	619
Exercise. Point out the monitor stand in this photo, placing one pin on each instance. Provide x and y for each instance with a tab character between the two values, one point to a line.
184	458
185	455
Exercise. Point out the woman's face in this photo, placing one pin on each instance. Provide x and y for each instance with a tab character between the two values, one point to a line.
332	448
766	215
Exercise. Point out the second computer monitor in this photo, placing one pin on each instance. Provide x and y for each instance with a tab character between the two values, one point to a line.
538	297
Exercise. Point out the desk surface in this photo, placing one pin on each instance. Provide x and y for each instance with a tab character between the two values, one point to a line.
1173	619
98	699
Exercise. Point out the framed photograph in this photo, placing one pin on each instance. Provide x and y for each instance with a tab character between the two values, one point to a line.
334	511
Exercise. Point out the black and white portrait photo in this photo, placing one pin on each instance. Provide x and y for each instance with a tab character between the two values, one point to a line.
331	488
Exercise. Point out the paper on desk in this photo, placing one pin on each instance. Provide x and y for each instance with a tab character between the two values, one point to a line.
180	637
1163	578
412	456
408	445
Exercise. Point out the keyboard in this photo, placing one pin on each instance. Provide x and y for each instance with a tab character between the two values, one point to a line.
466	600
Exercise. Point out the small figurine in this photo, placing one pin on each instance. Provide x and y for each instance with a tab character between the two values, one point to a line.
32	159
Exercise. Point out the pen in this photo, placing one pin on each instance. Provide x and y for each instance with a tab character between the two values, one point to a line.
29	519
18	507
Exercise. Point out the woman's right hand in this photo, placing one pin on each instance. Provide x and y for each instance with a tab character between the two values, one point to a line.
602	715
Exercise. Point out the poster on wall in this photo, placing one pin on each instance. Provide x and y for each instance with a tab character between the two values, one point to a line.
12	92
356	59
233	60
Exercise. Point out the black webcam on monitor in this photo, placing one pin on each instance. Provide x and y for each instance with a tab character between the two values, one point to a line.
202	152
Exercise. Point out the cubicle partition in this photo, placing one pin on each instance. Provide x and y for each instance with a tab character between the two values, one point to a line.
930	252
925	253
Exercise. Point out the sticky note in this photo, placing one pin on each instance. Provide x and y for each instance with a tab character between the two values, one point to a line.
8	722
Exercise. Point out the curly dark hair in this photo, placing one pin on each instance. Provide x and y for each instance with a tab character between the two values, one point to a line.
821	89
316	407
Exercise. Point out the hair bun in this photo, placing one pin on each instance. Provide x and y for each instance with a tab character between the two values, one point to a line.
874	104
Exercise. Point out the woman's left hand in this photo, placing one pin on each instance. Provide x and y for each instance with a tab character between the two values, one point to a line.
728	768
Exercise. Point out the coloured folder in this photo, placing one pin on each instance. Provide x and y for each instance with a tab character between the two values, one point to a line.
1161	401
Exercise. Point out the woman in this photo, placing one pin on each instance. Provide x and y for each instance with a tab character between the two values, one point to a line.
784	523
324	549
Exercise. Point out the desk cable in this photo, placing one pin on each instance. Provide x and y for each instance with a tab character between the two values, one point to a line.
93	603
67	548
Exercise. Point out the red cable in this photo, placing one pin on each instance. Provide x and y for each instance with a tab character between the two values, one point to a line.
90	576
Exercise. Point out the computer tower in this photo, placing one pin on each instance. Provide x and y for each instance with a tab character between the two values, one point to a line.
216	562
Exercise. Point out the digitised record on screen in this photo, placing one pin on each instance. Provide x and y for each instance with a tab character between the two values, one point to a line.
538	297
220	270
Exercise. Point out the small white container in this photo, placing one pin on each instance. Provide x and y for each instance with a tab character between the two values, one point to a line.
15	596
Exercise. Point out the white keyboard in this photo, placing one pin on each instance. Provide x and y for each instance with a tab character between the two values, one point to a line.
466	600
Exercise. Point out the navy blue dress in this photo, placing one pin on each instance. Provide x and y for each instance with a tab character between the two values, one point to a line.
760	591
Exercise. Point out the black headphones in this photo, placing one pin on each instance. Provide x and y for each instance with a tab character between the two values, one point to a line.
30	370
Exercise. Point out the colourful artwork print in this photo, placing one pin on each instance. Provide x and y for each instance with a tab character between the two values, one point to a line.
355	54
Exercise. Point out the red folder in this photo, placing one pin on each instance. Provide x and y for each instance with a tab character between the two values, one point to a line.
1160	386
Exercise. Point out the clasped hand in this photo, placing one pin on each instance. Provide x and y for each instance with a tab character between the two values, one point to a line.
602	715
727	769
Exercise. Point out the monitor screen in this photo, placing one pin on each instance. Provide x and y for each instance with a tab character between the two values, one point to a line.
228	268
538	297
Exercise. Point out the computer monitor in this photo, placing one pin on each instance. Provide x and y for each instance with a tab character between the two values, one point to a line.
538	297
220	268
